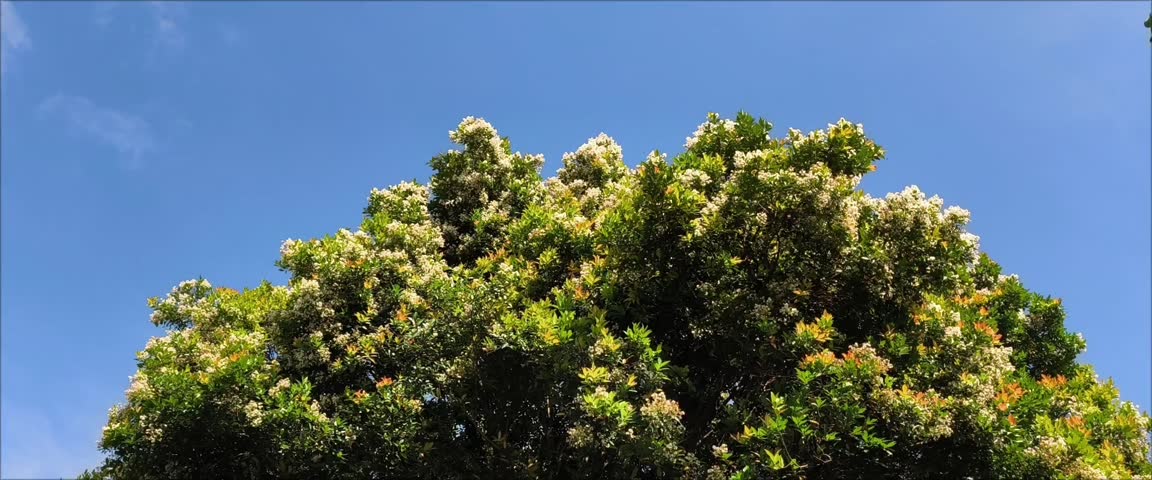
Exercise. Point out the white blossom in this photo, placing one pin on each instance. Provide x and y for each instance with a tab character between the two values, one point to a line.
712	126
694	178
958	214
280	386
254	413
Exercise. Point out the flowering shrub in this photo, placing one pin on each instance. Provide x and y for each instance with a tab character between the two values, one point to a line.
740	311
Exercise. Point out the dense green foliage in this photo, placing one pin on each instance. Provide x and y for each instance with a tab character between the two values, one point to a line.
741	311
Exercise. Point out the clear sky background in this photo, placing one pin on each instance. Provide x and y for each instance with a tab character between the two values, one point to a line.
145	144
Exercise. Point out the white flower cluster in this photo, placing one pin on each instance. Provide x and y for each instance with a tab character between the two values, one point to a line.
740	160
916	414
612	194
190	284
154	344
212	357
977	368
315	412
852	215
694	178
709	214
977	386
973	242
657	159
186	303
845	128
997	361
1053	452
904	217
288	248
660	407
395	249
714	125
415	238
581	436
153	433
140	388
482	178
592	200
797	138
254	413
475	132
911	203
597	162
817	179
866	353
405	201
280	386
956	214
307	298
842	128
815	185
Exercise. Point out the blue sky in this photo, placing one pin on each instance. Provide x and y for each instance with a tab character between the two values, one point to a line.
144	144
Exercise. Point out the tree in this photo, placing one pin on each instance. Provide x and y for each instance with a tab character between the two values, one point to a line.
741	311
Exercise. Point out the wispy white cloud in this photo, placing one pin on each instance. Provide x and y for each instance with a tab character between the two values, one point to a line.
103	13
129	134
167	17
13	34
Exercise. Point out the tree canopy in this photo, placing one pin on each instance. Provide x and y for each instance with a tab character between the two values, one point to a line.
740	311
